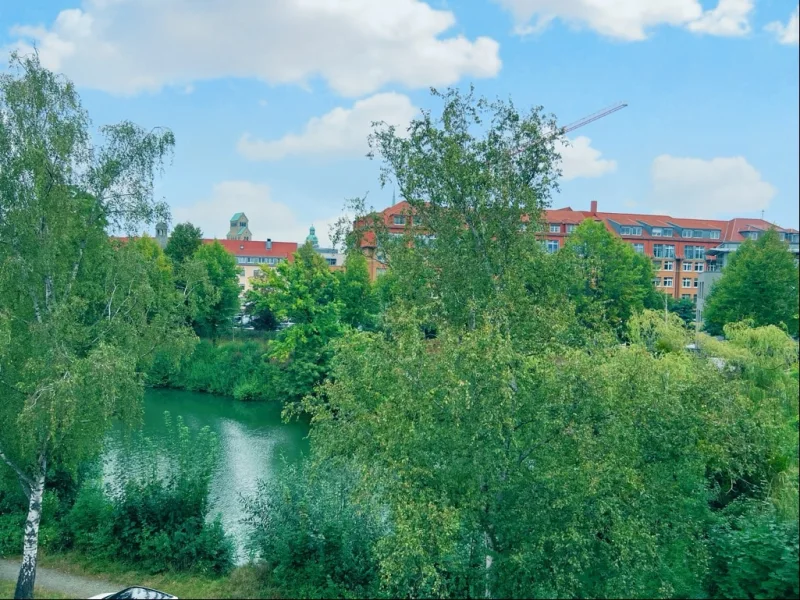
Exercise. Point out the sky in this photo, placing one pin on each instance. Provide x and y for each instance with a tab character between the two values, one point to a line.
271	100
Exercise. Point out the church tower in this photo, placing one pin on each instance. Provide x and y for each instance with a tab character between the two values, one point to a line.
161	234
239	228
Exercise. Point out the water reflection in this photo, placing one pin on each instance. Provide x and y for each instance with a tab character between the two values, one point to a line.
252	439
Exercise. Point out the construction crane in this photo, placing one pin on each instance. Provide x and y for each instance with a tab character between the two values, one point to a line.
580	123
593	117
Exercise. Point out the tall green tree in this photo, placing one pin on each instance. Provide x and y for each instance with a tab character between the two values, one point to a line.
358	299
612	282
185	240
215	298
304	293
759	283
80	315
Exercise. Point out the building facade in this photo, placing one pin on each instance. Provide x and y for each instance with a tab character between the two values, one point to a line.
254	257
332	256
687	254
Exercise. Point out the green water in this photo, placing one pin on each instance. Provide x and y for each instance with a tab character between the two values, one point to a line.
253	444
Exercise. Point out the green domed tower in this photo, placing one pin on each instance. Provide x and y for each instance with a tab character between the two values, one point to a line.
312	237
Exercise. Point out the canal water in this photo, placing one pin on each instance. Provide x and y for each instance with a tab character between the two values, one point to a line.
254	444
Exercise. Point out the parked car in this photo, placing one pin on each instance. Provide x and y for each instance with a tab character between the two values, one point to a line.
135	593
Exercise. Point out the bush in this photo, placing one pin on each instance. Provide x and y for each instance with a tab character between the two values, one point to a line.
230	368
755	553
156	516
316	539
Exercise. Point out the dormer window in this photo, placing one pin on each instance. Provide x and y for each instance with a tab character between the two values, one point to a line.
399	220
242	224
628	230
554	228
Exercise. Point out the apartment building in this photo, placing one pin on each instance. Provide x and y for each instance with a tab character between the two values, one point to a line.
682	250
253	257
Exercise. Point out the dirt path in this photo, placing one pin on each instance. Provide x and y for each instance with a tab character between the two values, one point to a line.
70	585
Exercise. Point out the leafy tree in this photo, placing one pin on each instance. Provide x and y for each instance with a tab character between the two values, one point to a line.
78	315
613	282
358	299
185	240
685	309
216	298
759	283
304	292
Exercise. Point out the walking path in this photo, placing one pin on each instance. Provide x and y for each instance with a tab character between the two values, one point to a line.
72	586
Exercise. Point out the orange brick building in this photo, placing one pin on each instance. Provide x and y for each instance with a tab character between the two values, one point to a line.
681	249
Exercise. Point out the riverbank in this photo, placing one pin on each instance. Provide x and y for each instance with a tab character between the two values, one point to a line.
62	575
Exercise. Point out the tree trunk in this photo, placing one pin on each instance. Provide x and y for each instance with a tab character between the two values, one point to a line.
30	546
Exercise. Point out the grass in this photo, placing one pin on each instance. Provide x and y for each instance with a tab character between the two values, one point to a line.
7	591
243	582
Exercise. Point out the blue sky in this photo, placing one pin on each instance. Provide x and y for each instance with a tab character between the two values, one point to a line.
270	100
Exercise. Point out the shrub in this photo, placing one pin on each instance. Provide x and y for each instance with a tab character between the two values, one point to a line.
755	553
315	537
156	515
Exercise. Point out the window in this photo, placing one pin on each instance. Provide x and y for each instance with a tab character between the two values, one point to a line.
257	272
687	266
687	233
657	231
699	267
399	220
795	238
668	282
552	246
664	250
555	228
242	224
669	265
657	281
331	261
695	297
628	230
685	296
695	283
694	252
687	282
714	235
571	228
639	248
667	231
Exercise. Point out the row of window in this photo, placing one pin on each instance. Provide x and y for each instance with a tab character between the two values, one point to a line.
669	265
401	220
668	282
256	260
554	228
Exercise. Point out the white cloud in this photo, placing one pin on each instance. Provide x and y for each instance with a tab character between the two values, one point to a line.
693	187
788	34
579	159
729	18
631	20
341	132
357	46
268	218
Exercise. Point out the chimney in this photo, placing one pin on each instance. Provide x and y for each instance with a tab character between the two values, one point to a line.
594	208
269	244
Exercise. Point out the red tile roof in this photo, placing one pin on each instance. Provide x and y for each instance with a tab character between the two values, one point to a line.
256	248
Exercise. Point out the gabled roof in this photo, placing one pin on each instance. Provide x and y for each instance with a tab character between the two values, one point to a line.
237	216
256	248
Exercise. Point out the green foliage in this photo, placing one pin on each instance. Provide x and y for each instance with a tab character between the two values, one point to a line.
216	298
358	299
613	282
304	292
755	553
229	368
316	538
185	240
156	516
658	332
760	283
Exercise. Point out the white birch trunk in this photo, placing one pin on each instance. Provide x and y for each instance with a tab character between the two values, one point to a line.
30	546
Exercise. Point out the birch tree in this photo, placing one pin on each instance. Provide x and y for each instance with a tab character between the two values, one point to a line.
79	315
